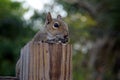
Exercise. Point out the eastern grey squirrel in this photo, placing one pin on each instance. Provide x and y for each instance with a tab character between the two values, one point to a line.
55	31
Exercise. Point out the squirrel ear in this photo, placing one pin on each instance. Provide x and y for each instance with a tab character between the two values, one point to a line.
48	18
59	17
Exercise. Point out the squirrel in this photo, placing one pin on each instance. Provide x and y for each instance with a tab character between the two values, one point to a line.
55	31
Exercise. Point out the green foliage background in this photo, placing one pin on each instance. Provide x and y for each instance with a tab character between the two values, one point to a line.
14	33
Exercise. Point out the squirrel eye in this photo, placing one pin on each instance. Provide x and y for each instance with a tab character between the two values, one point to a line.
56	25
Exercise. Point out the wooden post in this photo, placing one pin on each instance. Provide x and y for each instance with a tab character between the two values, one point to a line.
43	61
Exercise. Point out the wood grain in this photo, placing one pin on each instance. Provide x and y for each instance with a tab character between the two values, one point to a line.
42	61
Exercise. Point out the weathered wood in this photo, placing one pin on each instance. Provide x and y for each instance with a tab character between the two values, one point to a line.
43	61
8	78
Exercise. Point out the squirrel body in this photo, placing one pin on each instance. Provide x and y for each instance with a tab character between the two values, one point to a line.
55	31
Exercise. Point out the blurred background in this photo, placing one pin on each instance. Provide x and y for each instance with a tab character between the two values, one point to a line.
94	27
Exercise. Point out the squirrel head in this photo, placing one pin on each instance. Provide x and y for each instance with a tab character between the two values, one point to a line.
56	29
